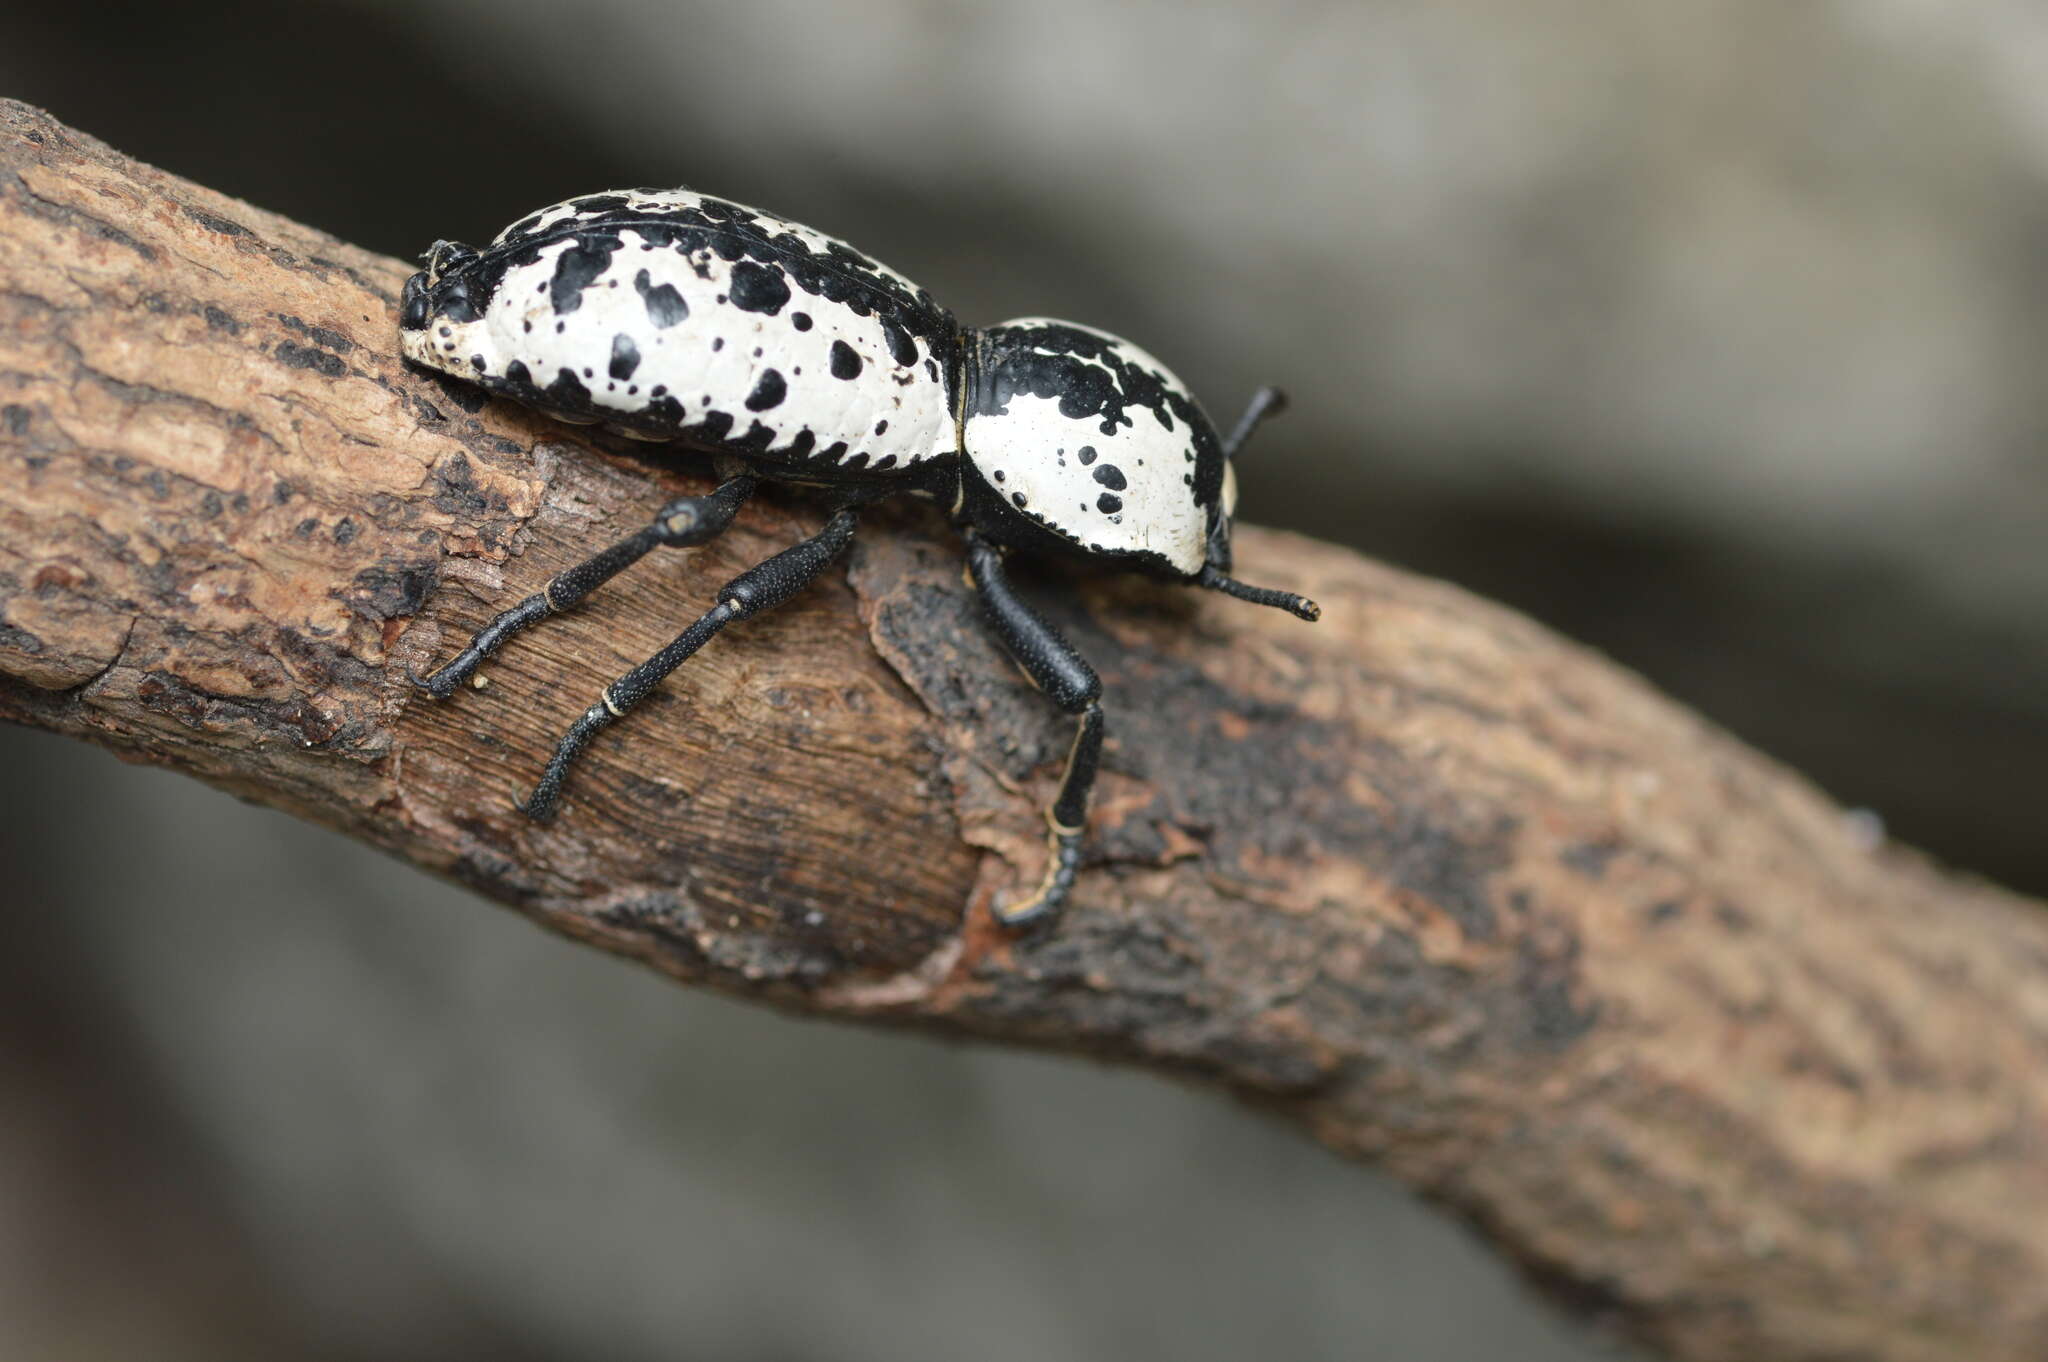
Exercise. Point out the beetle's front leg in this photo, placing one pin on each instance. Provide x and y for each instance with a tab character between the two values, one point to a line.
1065	676
684	521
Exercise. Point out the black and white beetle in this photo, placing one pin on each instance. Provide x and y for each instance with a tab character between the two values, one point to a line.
671	315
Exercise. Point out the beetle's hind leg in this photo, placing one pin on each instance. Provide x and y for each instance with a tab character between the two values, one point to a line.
685	521
758	588
1065	676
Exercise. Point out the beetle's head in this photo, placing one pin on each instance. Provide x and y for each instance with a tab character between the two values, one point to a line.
439	299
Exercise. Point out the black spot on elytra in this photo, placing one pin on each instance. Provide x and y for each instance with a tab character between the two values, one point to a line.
1087	455
625	357
1109	504
1112	477
845	363
1018	497
768	392
758	288
800	320
576	268
755	441
665	307
882	426
902	348
567	391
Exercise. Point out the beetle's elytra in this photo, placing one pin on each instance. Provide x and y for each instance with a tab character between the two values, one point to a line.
669	315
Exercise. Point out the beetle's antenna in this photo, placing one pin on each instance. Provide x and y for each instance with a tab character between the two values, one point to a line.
1267	401
1300	606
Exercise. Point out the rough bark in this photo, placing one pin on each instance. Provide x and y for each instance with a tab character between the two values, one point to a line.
1459	897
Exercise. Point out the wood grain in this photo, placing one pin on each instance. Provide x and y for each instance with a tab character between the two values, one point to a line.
1462	899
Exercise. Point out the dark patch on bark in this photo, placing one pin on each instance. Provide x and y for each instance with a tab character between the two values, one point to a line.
1589	858
297	356
1546	977
455	489
383	592
319	335
76	218
213	222
21	640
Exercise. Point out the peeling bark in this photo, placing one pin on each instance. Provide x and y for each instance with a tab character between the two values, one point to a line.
1457	896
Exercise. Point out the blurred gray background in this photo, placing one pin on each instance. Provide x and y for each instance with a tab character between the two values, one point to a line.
1710	333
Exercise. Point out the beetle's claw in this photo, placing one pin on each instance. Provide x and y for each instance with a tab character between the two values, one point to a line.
1063	849
434	685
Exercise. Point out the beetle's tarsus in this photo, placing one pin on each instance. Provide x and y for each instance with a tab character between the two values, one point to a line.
540	806
487	640
1063	851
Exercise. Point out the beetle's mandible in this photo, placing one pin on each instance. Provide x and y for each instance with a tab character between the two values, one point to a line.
670	315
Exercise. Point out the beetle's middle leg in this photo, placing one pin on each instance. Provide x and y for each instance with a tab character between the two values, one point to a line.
758	588
684	521
1065	676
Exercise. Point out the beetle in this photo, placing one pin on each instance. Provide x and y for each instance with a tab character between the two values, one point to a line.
670	315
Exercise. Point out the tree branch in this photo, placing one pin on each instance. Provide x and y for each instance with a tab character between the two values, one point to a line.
1459	897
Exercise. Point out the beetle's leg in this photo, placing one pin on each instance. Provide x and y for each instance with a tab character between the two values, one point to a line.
687	520
1065	676
758	588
